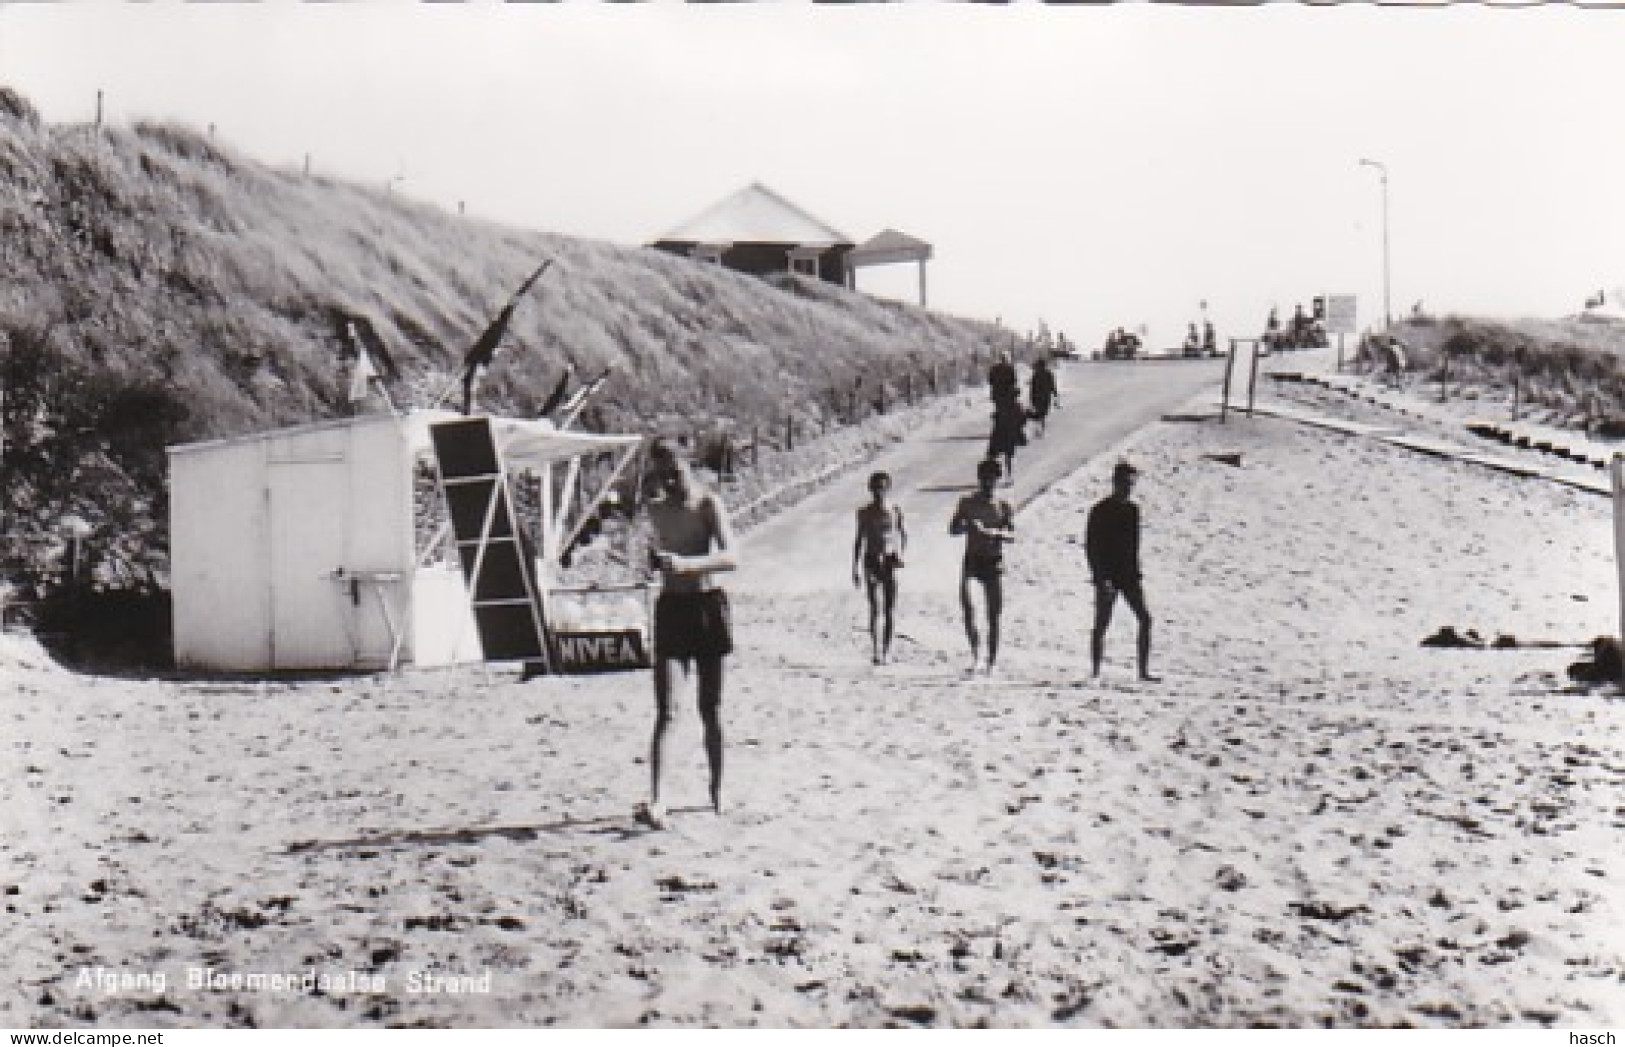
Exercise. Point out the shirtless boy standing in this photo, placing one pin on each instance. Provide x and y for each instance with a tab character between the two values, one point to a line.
987	524
693	542
878	548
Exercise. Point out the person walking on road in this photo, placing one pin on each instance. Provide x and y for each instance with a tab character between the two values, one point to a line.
878	549
1112	545
988	524
1009	432
1002	383
1042	393
693	543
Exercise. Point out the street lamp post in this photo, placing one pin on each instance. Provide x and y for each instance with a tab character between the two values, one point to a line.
1382	171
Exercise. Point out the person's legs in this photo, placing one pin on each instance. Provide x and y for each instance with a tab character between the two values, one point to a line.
657	744
709	671
871	587
968	606
993	586
889	593
1105	596
1135	596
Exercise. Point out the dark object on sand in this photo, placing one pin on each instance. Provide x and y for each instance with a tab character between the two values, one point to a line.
1225	457
1448	637
1604	665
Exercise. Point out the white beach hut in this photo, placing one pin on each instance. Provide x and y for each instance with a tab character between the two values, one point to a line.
300	549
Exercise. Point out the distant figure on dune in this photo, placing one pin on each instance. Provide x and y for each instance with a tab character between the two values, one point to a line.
987	523
693	542
1042	393
1113	547
878	549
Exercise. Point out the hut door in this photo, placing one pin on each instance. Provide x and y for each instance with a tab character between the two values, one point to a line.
310	611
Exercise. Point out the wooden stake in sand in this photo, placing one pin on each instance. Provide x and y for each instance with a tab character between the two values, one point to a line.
1617	472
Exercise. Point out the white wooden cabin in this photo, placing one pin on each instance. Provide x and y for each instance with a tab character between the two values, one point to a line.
297	549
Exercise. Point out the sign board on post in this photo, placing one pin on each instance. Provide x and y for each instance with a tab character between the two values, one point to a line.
1340	318
1242	365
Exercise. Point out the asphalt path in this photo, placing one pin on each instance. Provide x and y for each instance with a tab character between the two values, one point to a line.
808	547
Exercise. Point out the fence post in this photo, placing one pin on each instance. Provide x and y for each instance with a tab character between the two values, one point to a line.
1617	471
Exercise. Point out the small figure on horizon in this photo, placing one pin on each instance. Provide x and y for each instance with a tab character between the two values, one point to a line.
988	523
1210	341
693	542
1042	393
878	549
1300	327
1112	545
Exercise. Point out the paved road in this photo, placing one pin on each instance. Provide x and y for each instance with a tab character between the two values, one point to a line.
809	547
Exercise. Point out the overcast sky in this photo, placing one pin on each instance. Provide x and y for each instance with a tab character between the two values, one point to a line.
1091	167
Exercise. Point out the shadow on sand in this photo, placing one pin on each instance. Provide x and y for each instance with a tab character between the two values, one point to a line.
615	827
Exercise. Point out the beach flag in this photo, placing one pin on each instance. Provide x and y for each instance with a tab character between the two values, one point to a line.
479	356
362	375
573	406
369	361
557	396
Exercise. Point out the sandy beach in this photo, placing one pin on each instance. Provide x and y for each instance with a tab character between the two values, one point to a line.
1311	820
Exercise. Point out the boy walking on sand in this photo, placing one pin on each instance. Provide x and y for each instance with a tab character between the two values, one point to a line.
987	523
1113	547
693	542
879	546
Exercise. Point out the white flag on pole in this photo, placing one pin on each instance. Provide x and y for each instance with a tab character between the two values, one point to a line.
361	376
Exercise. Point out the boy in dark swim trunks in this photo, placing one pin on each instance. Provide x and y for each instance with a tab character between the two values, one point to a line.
879	546
693	542
1112	544
987	524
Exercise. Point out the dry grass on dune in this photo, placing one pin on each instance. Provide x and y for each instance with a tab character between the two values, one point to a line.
1573	369
225	276
156	265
